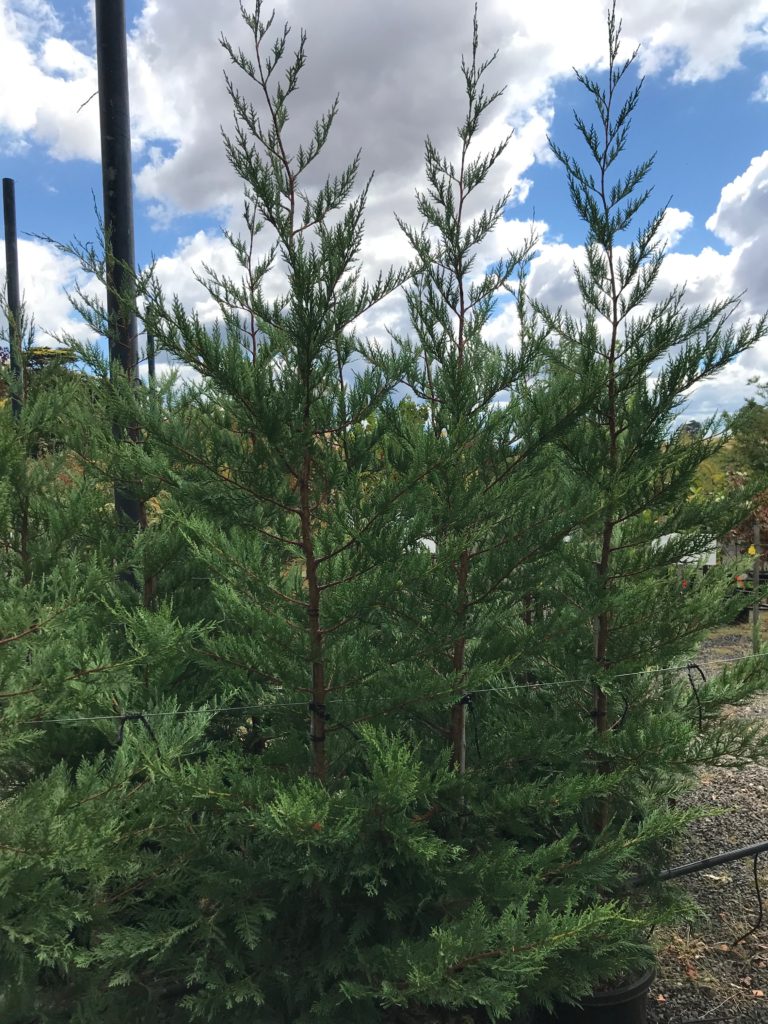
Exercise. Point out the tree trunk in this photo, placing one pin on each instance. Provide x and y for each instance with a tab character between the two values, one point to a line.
459	710
317	707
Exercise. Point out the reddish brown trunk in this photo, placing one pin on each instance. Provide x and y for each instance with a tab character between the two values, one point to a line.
601	635
459	736
601	632
319	692
459	710
26	562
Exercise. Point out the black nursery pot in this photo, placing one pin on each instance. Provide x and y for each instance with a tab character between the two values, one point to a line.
625	1004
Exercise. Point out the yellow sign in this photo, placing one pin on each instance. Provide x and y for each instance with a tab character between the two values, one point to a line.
751	550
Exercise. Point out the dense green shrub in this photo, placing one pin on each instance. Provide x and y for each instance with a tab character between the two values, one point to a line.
371	739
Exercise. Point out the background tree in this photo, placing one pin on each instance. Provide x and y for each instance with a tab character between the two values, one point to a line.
748	427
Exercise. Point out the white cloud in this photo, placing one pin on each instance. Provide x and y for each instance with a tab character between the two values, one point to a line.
696	39
60	55
706	275
726	391
388	104
176	63
31	19
395	67
177	273
47	276
761	93
743	206
675	223
504	329
44	80
740	221
552	281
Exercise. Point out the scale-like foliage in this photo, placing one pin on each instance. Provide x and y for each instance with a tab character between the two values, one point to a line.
631	596
241	792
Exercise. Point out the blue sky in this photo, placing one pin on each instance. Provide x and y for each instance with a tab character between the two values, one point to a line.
703	111
703	135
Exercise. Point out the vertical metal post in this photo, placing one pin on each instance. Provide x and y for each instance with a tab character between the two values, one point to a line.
117	182
756	588
14	293
150	356
150	581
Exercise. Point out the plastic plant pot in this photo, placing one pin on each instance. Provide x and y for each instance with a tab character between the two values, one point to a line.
624	1004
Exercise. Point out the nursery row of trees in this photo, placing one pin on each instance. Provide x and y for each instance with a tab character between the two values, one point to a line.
374	717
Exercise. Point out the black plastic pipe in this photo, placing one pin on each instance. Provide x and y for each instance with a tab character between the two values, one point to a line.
712	862
707	862
13	293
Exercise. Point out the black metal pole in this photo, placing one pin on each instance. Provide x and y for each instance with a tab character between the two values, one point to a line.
14	292
151	356
117	181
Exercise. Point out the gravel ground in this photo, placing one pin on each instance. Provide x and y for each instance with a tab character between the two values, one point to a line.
704	974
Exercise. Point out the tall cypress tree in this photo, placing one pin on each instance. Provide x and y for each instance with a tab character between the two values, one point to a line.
625	619
283	436
490	508
254	815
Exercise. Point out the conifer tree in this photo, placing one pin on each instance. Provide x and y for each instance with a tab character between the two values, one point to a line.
747	428
490	507
253	817
50	532
283	443
625	618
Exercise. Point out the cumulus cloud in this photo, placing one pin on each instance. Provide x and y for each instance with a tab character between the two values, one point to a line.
675	224
44	80
47	277
552	281
395	67
705	275
725	392
740	220
48	86
743	205
700	40
179	274
389	104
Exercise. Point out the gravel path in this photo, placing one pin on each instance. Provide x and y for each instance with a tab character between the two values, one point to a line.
704	975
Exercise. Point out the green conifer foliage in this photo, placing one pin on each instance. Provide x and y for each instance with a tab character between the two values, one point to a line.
490	509
283	442
52	540
264	811
632	600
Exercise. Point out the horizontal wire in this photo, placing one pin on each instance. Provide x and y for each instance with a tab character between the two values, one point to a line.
336	701
662	670
163	714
